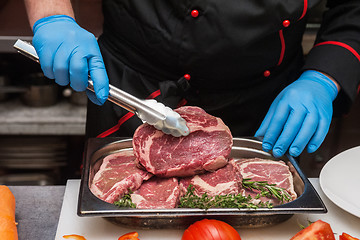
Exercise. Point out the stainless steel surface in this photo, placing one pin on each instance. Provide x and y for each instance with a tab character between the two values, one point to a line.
32	160
26	179
12	89
40	96
4	83
149	111
38	92
27	50
89	205
76	98
7	43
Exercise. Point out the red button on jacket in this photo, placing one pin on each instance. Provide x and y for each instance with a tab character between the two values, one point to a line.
286	23
266	73
194	13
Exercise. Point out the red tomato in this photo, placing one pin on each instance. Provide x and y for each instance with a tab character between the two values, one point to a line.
210	230
318	230
346	236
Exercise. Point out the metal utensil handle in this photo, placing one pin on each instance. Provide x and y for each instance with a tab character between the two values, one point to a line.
117	96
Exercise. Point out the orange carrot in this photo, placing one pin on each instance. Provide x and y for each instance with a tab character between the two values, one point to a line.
8	228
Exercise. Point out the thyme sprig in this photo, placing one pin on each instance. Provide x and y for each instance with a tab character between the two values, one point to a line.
267	190
191	200
125	201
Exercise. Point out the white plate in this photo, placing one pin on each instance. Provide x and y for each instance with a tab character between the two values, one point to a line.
340	180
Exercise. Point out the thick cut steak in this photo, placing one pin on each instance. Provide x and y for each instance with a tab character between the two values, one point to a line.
117	175
206	148
157	193
223	181
274	172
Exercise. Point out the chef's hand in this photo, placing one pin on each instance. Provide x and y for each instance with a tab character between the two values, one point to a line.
300	115
68	54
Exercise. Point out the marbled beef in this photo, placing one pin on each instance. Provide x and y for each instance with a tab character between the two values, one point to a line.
157	193
206	148
118	173
223	181
274	172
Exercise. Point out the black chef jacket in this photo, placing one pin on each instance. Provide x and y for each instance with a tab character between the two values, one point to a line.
237	55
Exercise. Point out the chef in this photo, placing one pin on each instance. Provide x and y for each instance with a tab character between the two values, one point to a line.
239	60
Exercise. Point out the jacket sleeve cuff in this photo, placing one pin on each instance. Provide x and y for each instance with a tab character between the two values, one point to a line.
339	61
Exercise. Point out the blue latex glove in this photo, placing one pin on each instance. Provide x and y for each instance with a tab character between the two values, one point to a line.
68	54
300	115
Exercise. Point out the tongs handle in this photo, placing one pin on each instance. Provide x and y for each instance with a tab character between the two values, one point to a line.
117	96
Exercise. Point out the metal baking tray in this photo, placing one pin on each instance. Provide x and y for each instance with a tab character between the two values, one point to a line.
89	205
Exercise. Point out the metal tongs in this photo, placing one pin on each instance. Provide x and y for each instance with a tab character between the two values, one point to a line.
150	111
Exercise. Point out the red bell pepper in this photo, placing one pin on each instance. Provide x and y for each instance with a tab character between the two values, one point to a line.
74	237
346	236
129	236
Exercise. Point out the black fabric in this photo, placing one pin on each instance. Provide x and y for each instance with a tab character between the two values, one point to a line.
242	109
230	41
341	24
150	45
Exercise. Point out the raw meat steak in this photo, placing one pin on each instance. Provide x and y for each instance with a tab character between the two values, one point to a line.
118	173
206	148
223	181
157	193
274	172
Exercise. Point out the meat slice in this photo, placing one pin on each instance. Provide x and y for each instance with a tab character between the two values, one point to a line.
117	175
206	148
157	193
274	172
223	181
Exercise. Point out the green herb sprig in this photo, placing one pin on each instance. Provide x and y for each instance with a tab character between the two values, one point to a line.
125	201
267	190
191	200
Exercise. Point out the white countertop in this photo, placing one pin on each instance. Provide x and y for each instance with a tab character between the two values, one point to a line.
62	118
97	228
